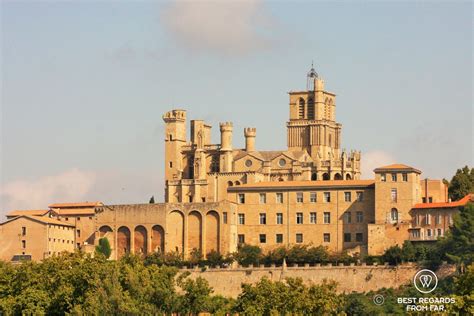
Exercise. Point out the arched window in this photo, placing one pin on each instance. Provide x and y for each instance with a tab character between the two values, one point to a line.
229	183
301	108
326	176
314	177
348	177
394	215
310	109
337	176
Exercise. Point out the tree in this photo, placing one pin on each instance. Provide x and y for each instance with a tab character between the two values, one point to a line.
393	255
104	247
461	184
152	200
248	255
458	245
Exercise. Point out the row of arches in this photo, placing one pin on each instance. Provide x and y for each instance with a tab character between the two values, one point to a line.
202	231
140	242
326	176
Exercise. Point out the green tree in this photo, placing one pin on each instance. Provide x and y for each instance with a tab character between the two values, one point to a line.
461	184
103	247
458	245
248	255
152	200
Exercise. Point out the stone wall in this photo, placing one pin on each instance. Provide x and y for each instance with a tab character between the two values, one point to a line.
354	278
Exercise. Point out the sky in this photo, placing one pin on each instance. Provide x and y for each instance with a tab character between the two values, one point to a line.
84	85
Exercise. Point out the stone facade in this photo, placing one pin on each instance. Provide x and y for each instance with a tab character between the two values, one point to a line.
217	197
37	237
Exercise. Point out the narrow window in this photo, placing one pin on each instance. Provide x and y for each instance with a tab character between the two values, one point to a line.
241	239
394	215
430	199
327	197
263	198
78	233
394	177
23	244
312	217
348	216
279	238
360	217
241	219
359	237
428	232
428	219
299	197
263	219
360	196
299	218
347	196
23	231
279	198
171	164
405	177
383	177
327	237
279	218
241	198
224	217
327	218
313	197
263	238
394	195
347	237
440	232
299	238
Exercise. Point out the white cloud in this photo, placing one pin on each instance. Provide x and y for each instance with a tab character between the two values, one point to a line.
70	186
224	27
374	159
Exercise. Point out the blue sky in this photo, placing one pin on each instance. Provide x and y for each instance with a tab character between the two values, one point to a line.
84	85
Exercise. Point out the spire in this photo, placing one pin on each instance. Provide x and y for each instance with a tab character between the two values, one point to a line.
310	77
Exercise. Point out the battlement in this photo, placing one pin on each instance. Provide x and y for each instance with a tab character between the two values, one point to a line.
175	116
250	132
226	126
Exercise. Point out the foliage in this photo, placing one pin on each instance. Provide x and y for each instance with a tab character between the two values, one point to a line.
248	255
289	297
103	247
152	200
461	184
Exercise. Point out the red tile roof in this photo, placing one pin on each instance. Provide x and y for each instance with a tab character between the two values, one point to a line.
461	202
397	166
300	184
27	212
76	204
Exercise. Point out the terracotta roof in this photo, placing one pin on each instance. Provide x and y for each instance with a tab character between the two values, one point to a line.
397	166
304	184
41	219
76	204
75	211
461	202
27	212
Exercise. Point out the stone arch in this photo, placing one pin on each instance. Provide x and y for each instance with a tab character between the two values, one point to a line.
212	231
348	176
175	229
123	241
314	176
337	176
195	231
301	108
140	240
157	238
326	176
104	231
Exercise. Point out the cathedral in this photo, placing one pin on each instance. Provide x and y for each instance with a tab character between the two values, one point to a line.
198	171
218	197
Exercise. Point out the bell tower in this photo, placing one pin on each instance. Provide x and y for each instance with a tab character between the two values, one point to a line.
312	125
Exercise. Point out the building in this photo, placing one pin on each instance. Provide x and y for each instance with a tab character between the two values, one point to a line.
217	197
34	238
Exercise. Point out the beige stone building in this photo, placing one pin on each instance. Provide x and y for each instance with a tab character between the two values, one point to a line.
34	238
217	197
